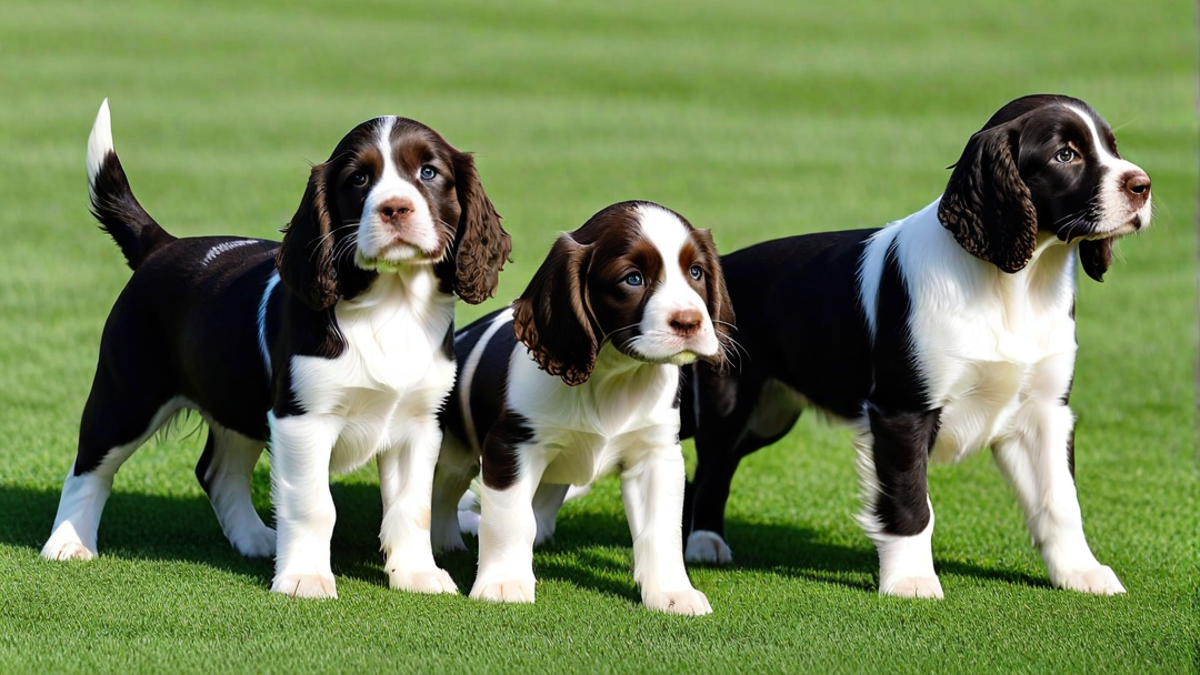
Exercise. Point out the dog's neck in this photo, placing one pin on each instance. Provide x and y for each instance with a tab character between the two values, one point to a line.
614	368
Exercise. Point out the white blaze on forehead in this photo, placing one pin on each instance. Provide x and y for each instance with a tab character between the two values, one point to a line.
1106	158
1114	202
668	234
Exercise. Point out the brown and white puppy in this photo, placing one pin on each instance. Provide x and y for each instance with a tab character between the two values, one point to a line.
347	359
948	331
578	377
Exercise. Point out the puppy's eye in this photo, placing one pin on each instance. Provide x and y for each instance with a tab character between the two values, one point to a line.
428	172
696	272
1065	156
358	179
633	279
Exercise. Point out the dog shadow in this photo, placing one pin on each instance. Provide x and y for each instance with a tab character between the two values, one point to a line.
590	550
787	550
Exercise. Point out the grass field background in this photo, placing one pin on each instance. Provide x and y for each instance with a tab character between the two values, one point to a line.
757	119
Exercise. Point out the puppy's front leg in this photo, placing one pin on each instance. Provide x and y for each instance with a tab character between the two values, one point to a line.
652	488
1038	461
304	514
897	513
507	525
406	482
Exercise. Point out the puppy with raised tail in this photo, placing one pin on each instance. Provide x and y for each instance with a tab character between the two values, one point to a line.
578	377
333	348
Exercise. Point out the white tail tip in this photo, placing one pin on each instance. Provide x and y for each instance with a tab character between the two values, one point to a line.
100	143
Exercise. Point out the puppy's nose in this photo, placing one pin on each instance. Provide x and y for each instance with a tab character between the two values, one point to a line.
394	209
686	322
1136	185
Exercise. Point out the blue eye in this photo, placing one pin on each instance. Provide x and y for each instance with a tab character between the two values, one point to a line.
1064	156
696	272
633	279
428	172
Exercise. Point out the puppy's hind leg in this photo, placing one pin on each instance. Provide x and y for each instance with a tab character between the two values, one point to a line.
456	466
225	471
115	423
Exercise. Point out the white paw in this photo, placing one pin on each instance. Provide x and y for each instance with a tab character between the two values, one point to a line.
913	587
431	581
504	590
305	586
689	602
1099	580
69	550
258	543
704	546
468	522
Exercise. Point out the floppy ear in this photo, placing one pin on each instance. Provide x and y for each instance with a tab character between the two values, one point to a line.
305	260
1096	256
720	307
483	245
986	206
551	317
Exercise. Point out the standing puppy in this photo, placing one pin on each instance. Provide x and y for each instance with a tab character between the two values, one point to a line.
579	376
347	359
950	330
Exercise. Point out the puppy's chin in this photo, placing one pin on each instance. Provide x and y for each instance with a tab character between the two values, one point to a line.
673	355
394	259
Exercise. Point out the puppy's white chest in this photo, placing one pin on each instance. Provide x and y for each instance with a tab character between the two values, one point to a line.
389	382
983	383
605	422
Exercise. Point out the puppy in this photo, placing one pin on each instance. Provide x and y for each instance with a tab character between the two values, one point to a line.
332	348
947	331
579	376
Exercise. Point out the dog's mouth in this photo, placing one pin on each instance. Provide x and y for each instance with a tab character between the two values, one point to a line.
666	349
397	256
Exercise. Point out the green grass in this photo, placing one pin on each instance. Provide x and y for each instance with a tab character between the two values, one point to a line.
757	119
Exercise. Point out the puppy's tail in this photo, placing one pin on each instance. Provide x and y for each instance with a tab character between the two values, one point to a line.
112	201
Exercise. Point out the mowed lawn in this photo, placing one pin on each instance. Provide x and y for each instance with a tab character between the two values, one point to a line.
757	119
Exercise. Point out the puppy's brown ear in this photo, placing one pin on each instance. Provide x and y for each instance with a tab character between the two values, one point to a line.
986	206
305	260
551	317
1096	256
483	245
720	307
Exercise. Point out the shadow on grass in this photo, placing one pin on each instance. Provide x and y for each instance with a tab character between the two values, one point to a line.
590	550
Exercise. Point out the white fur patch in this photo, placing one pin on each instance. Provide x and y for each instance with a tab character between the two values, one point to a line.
100	143
468	375
224	247
261	325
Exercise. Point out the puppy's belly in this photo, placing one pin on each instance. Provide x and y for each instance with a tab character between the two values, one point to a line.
580	466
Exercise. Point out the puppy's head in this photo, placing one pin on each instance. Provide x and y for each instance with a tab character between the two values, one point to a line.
1044	164
637	275
393	194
